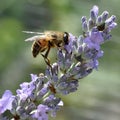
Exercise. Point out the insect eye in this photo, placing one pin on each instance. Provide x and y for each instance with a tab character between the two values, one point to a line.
66	38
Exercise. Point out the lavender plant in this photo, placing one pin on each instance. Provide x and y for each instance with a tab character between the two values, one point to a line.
36	99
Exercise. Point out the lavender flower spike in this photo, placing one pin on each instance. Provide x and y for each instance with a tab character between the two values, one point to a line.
36	99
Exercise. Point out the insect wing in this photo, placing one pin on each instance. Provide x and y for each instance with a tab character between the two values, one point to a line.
35	38
30	32
32	38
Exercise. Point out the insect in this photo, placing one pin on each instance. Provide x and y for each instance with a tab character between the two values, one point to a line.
43	42
101	27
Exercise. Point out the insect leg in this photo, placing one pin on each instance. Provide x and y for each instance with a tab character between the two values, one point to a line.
46	57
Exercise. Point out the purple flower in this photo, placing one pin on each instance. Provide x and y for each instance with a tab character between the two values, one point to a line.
110	23
94	13
85	26
93	41
34	77
42	92
41	113
83	19
53	104
6	101
99	20
26	90
104	16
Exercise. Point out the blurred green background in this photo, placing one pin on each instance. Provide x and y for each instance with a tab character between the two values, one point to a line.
98	97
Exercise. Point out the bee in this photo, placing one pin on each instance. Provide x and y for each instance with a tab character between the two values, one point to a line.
43	42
